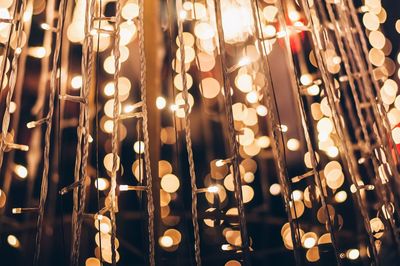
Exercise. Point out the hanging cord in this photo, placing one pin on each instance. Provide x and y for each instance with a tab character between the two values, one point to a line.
343	44
188	138
96	130
83	134
306	131
13	76
115	132
232	134
280	158
347	147
149	179
174	119
380	112
49	118
59	130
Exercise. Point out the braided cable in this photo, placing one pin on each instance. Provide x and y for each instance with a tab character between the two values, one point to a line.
307	136
189	149
115	132
279	158
49	118
143	90
346	145
232	135
83	149
12	81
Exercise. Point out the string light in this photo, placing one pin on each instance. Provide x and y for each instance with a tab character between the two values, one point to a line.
336	102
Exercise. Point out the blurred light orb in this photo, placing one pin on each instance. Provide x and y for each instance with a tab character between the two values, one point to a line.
170	183
293	144
21	171
13	241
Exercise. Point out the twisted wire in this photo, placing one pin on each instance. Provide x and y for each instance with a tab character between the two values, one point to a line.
382	193
12	81
375	98
97	127
381	119
143	91
49	118
83	128
307	134
189	149
232	136
115	132
18	91
346	146
279	158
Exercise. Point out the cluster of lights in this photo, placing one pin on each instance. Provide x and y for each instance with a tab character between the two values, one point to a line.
249	111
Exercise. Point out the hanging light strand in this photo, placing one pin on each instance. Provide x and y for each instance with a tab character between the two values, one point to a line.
49	118
146	140
232	136
188	139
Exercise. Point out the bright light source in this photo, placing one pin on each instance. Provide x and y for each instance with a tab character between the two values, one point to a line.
76	82
309	242
161	102
213	189
353	254
21	171
166	241
13	241
275	189
244	61
101	184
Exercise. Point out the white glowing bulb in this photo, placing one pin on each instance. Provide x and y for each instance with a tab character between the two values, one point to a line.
219	163
101	184
353	254
309	242
161	102
182	14
213	189
275	189
293	144
13	241
21	171
37	52
45	26
174	107
76	82
294	15
244	61
166	241
332	151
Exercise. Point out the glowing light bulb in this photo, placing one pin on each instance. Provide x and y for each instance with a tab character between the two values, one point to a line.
245	60
353	254
309	242
332	151
293	144
161	102
37	52
76	82
252	97
294	15
275	189
182	14
101	184
213	189
13	241
174	107
166	241
45	26
21	171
